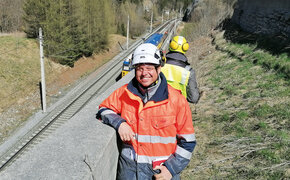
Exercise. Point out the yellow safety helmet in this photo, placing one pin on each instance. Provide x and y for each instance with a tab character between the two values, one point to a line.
178	44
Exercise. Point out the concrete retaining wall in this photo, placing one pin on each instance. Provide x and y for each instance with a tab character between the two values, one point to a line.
263	16
82	149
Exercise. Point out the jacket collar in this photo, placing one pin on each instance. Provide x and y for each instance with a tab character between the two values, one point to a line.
161	93
176	56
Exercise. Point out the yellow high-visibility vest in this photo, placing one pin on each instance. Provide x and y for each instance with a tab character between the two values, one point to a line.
177	77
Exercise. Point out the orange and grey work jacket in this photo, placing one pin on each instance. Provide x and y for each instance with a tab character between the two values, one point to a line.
162	126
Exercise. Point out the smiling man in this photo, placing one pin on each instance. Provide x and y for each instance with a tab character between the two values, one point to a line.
153	121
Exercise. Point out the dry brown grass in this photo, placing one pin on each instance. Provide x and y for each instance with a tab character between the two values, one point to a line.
20	77
15	34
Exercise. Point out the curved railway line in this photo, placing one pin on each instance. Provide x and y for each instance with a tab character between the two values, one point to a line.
74	102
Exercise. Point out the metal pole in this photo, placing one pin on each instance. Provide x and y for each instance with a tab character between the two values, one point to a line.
174	30
128	27
176	23
162	18
43	91
151	21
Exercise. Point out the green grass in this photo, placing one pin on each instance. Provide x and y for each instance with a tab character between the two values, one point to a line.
280	63
249	127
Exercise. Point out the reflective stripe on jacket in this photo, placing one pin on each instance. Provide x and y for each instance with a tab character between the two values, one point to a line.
163	126
177	77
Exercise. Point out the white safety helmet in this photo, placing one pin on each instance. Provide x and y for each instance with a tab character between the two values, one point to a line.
146	53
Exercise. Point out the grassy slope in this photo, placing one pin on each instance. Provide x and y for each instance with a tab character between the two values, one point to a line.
20	77
20	69
19	80
242	119
17	66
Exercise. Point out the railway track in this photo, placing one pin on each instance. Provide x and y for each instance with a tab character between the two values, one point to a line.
74	103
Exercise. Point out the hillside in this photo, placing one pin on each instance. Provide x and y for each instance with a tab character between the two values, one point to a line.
242	119
20	77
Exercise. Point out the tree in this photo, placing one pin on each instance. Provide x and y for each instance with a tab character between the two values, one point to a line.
72	28
11	15
35	15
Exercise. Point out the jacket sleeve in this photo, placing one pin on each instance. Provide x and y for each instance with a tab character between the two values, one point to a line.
110	109
185	142
192	89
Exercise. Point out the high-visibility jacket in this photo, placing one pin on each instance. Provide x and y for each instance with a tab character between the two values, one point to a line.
177	76
163	126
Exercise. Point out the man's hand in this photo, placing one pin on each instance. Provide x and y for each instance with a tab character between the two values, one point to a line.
164	175
126	133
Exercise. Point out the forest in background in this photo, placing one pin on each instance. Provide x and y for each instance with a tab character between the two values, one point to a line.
76	28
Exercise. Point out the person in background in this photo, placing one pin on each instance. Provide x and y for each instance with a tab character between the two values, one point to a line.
178	71
152	119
